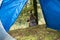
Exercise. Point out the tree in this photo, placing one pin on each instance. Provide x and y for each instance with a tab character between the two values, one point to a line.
35	10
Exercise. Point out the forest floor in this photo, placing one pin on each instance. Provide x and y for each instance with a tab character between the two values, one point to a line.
35	33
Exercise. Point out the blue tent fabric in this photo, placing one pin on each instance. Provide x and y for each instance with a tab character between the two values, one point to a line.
9	11
51	12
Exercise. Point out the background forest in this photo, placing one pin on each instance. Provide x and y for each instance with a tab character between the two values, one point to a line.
25	15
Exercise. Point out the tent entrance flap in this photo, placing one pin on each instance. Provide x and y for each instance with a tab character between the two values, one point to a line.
51	12
9	12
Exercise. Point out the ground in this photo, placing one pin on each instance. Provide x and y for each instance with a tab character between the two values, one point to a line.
35	33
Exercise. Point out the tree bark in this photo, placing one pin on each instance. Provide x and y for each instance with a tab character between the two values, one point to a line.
35	10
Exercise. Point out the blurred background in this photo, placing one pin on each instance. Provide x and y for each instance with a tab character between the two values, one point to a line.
25	15
31	25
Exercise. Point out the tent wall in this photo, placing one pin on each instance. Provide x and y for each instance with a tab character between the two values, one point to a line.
9	12
51	12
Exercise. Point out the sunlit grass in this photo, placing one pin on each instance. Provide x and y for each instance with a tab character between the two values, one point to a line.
35	33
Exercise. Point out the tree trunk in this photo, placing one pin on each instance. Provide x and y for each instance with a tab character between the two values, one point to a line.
35	10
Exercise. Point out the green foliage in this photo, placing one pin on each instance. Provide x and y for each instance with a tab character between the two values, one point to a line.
24	16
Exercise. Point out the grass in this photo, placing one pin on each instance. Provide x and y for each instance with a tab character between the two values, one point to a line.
28	38
35	33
